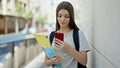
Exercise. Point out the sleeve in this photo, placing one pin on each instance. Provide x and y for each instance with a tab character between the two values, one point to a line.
84	46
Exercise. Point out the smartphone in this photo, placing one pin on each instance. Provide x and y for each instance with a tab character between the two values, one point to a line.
59	35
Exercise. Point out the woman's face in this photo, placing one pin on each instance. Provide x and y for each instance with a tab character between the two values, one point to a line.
63	18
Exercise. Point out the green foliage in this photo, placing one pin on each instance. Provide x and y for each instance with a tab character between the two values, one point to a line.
42	19
20	8
28	15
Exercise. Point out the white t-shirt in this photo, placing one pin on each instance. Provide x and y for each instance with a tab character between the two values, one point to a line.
67	60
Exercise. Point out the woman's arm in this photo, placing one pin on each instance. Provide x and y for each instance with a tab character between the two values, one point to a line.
81	57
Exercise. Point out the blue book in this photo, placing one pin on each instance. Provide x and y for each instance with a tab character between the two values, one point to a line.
50	53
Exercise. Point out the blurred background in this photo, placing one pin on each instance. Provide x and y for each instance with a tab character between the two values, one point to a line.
20	19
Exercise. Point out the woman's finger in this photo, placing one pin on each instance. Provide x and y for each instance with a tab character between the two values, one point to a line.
58	40
55	60
58	46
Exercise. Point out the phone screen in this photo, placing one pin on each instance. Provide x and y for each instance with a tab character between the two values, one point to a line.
59	35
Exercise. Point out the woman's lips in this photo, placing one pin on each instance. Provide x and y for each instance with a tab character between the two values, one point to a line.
62	23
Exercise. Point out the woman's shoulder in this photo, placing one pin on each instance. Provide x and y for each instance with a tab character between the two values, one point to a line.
80	31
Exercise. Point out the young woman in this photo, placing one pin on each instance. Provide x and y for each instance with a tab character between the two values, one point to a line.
66	52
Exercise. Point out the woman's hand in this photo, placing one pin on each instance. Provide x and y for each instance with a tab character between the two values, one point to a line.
61	44
55	59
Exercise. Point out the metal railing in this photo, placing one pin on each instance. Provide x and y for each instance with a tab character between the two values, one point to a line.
18	50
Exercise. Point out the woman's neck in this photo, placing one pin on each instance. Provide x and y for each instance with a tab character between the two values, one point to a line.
65	30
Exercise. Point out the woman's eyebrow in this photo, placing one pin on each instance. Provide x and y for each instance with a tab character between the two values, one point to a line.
59	14
62	14
66	14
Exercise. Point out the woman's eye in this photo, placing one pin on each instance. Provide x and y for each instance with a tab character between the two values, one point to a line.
59	16
63	16
67	16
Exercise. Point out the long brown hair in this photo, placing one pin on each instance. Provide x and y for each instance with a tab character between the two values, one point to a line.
67	6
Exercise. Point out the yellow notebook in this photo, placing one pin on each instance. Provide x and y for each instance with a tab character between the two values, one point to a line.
42	40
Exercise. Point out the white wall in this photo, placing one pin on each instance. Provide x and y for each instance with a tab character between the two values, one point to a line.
106	31
100	21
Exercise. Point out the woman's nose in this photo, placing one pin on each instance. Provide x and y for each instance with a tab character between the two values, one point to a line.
63	18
